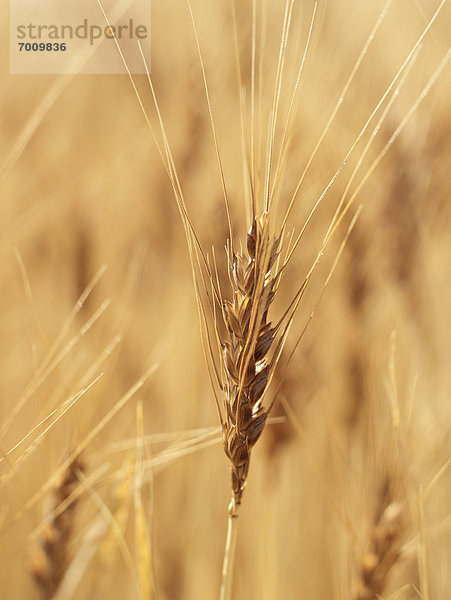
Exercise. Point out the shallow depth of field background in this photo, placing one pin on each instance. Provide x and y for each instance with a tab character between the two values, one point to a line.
369	384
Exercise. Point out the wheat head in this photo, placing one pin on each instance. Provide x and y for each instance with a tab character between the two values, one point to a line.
382	555
50	555
246	349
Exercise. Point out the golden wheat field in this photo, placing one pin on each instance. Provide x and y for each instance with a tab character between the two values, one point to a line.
332	124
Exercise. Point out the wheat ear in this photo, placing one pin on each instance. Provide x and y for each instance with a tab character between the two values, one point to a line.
382	555
50	556
248	343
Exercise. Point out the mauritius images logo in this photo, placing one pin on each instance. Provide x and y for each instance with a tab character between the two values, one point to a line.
85	37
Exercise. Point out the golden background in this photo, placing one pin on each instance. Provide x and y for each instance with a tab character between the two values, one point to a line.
83	186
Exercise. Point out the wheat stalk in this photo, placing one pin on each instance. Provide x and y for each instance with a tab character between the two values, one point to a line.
247	343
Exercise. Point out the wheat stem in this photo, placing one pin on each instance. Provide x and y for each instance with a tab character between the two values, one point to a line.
229	553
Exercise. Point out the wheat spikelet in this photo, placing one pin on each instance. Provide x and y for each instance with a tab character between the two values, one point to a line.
50	556
246	346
